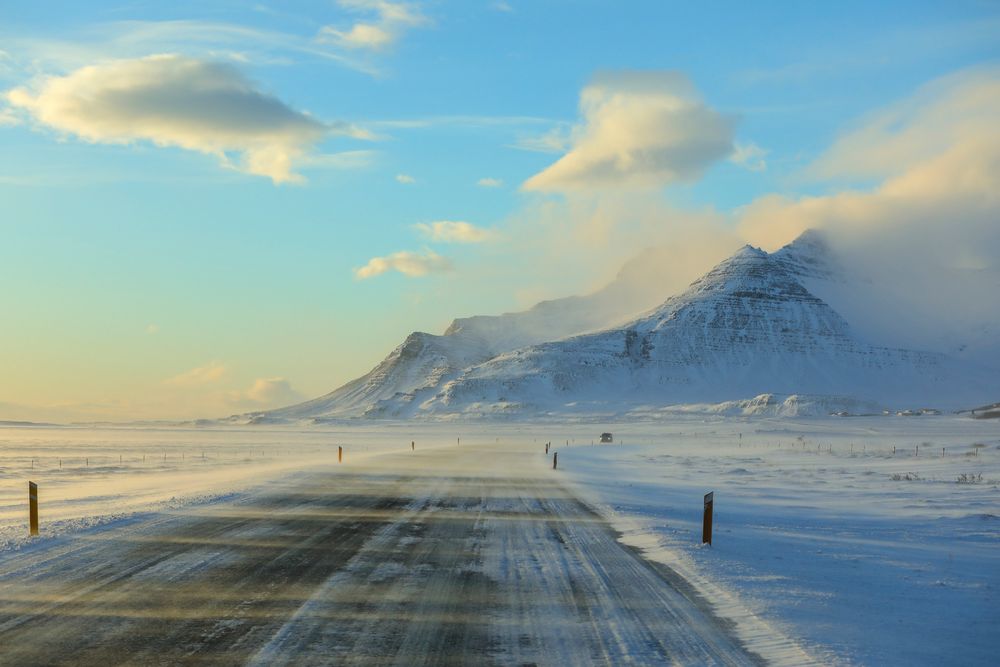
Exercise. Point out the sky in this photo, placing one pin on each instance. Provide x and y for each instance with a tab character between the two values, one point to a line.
208	208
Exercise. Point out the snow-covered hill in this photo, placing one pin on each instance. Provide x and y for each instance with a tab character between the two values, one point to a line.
416	370
748	327
960	319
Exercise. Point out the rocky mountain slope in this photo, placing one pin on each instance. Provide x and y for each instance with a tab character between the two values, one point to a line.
747	327
424	362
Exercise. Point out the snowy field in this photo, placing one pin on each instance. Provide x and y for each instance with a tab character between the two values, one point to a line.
821	532
90	476
826	540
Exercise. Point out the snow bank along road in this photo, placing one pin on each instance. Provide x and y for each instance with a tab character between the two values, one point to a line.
462	555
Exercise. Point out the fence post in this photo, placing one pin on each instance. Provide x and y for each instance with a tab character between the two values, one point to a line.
32	508
555	460
413	445
340	454
706	526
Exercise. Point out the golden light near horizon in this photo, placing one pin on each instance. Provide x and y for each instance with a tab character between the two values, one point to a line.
211	213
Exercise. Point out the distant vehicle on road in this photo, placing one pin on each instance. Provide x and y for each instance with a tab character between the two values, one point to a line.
606	437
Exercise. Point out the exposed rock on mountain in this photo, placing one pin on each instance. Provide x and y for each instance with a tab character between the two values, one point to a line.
749	327
416	370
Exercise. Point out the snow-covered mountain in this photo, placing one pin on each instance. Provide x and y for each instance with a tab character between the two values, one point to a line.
895	311
417	369
748	327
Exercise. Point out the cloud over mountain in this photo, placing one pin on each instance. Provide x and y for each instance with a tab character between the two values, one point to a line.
638	130
925	235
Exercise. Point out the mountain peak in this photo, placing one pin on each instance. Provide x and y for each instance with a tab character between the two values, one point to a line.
750	272
749	326
809	256
749	251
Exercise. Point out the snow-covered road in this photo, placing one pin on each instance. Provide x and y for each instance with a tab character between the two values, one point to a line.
453	555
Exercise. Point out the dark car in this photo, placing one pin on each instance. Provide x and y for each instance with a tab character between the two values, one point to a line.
606	437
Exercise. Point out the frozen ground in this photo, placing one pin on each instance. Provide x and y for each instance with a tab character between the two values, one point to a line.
471	555
90	476
827	545
821	531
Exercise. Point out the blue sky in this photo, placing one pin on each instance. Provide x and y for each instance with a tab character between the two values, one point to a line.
152	271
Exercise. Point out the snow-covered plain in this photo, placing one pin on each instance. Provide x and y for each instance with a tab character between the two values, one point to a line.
90	476
821	532
826	542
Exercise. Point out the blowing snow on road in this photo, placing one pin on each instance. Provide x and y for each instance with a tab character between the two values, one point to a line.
464	555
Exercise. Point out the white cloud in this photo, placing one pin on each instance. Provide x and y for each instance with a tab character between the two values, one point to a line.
938	156
171	100
405	179
266	393
502	7
639	130
556	140
152	329
924	239
489	182
949	111
408	263
388	23
211	372
454	231
7	117
749	156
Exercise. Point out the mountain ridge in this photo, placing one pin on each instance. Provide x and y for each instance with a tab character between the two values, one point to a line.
748	327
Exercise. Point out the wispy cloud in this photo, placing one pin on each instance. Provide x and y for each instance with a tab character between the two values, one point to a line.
265	393
211	40
557	140
405	179
883	49
960	108
210	373
386	24
171	100
152	329
936	155
749	156
489	182
454	231
639	130
8	117
410	264
920	229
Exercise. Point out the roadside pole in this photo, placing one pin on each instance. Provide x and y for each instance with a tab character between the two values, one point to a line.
706	526
32	509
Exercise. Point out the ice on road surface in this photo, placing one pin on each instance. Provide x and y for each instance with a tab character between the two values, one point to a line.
444	555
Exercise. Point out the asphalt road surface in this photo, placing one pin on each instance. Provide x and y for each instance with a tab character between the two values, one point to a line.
459	556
